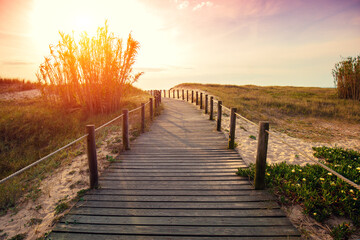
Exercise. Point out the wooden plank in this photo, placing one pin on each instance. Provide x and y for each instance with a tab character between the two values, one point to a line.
182	221
188	192
178	213
178	164
145	198
92	236
169	178
181	205
178	167
179	156
185	159
173	183
116	185
269	231
169	174
233	170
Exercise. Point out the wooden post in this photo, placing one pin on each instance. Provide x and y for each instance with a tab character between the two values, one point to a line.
174	93
201	101
197	98
183	96
232	129
192	96
178	94
260	166
91	154
211	108
164	93
219	114
126	143
187	95
142	117
160	97
151	104
156	103
206	103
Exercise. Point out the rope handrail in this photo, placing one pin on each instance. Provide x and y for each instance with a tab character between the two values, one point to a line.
135	109
317	162
105	124
225	107
245	119
41	159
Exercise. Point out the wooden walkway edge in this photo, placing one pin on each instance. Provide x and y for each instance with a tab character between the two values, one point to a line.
177	182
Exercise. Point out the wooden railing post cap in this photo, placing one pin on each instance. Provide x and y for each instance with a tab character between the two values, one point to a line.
264	123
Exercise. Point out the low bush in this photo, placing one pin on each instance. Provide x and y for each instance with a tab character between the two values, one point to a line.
318	191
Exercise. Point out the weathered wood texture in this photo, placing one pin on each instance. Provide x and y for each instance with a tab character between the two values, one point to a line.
177	182
92	159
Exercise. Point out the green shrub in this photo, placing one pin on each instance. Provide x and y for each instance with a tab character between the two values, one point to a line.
341	231
319	192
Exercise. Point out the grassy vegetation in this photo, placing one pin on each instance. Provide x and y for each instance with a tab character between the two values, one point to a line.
32	129
92	73
320	193
298	111
15	85
347	78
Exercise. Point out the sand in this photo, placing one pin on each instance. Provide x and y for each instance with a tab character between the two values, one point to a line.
28	94
64	183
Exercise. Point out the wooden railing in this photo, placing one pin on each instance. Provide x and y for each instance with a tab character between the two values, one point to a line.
263	136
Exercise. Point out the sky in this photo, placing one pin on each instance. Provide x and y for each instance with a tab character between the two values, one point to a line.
259	42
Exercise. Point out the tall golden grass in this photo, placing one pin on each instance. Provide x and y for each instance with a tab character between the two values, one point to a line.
92	73
347	78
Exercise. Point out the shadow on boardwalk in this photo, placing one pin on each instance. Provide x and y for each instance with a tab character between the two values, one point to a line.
177	181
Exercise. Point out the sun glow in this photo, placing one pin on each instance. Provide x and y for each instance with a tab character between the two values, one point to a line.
123	16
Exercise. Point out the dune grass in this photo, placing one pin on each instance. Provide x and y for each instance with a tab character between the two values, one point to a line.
31	129
92	73
8	85
347	78
297	111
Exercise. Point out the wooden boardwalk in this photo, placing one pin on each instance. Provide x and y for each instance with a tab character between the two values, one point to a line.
177	182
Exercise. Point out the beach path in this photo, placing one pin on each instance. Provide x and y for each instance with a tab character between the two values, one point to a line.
178	181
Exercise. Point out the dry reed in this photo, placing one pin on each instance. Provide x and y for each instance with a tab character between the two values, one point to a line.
93	73
347	78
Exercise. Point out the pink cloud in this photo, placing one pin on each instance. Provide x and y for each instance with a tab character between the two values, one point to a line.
203	4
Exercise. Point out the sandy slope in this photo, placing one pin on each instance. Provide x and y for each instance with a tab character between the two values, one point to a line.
65	182
20	95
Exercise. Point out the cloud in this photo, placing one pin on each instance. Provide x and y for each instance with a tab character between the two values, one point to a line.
162	68
203	4
16	63
150	69
7	34
182	4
